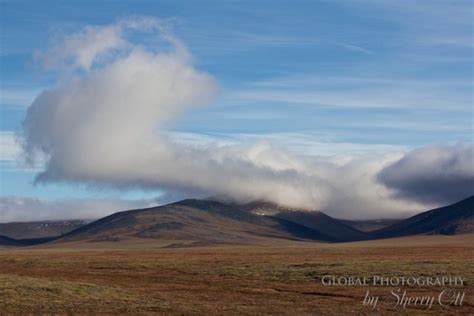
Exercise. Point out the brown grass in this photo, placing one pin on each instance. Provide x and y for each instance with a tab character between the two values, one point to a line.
267	279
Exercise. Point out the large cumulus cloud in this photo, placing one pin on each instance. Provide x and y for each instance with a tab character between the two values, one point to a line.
105	124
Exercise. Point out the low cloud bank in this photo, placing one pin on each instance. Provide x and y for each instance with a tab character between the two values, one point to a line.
440	173
104	124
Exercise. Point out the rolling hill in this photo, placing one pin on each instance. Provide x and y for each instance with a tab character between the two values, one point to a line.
40	229
9	242
457	218
318	221
206	222
200	221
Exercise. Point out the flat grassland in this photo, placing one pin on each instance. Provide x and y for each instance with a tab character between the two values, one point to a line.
273	278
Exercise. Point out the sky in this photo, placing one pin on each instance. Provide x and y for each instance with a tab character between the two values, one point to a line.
362	109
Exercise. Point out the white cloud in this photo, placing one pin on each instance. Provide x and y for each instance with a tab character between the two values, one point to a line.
10	149
86	46
105	125
12	157
95	44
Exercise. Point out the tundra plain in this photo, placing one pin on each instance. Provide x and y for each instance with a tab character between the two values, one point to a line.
274	277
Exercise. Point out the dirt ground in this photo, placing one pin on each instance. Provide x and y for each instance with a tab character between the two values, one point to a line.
273	278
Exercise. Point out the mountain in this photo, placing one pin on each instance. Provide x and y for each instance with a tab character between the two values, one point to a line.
40	229
204	221
334	229
6	241
200	221
318	221
457	218
11	242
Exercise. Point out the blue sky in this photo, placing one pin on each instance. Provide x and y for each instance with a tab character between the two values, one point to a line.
317	77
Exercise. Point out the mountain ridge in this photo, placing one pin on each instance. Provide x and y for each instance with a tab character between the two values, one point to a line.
446	220
204	220
40	229
213	222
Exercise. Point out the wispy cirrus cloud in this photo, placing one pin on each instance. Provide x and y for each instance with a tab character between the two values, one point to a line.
356	48
360	92
300	143
439	23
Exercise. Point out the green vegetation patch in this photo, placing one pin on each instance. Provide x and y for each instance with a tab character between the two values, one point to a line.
42	295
